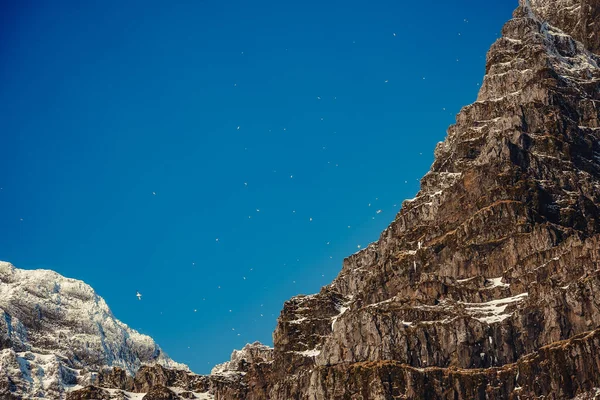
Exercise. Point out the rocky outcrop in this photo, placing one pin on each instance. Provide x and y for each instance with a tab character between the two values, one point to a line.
247	376
89	393
116	378
241	360
149	376
159	392
578	18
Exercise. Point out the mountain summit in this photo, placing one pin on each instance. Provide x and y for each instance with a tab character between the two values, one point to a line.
485	286
55	332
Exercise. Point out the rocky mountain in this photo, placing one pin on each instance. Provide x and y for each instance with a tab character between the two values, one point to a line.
485	286
57	332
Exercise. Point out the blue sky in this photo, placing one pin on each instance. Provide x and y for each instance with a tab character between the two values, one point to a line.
135	134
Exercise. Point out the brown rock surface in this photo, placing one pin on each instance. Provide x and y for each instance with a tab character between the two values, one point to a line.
89	393
160	392
149	376
116	378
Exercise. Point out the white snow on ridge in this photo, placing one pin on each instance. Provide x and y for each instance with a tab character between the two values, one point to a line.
343	309
390	300
495	310
299	320
497	282
309	353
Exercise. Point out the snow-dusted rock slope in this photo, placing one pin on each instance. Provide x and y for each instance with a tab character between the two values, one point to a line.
56	332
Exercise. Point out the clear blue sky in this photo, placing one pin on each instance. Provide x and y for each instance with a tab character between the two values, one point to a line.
321	108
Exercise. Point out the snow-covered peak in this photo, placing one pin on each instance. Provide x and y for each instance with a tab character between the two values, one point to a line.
45	313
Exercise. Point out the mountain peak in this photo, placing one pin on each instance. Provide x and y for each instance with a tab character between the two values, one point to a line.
62	327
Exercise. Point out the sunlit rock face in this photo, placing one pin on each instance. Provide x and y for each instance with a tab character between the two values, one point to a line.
577	18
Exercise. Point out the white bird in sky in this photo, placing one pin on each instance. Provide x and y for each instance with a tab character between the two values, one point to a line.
139	295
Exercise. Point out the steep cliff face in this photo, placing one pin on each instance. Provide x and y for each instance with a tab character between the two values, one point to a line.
487	284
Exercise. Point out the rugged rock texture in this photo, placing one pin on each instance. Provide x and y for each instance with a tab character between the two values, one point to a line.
247	375
487	284
117	378
555	371
160	393
57	332
578	18
89	392
149	376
